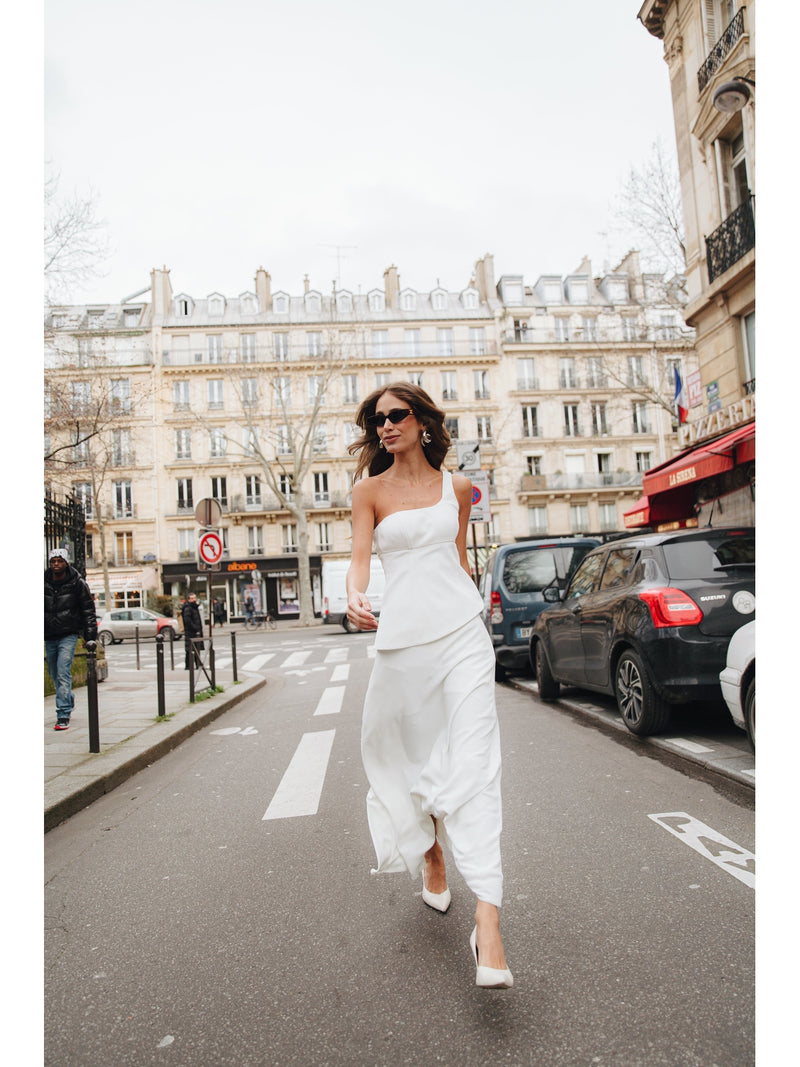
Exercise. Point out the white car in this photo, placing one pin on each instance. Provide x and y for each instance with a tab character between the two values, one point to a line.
122	623
738	680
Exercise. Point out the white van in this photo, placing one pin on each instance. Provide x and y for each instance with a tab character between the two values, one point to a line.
334	590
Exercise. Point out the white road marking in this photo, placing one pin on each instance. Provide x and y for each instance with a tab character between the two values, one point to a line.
689	746
341	672
296	659
226	731
330	703
712	845
301	786
336	655
257	662
370	652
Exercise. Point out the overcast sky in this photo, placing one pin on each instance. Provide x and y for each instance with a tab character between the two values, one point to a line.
336	138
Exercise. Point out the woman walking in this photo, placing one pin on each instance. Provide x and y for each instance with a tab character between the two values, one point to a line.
430	740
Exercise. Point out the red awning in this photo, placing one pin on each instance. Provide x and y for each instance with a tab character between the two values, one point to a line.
714	457
638	514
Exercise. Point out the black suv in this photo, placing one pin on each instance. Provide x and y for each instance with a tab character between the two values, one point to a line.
648	619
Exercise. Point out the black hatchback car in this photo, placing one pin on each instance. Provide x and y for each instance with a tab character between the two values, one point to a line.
648	619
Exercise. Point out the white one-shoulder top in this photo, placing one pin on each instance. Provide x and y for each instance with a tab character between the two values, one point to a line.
428	593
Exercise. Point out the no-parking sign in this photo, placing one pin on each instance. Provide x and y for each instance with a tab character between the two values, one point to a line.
481	505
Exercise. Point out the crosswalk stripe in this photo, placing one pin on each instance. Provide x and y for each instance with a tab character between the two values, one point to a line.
336	655
301	786
257	662
296	659
330	703
341	672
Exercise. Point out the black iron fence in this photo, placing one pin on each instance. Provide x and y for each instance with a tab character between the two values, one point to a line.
729	242
65	527
714	60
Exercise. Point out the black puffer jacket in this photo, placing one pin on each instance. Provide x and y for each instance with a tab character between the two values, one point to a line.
68	607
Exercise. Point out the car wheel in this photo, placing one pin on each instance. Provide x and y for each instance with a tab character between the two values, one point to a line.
169	633
643	711
549	688
348	626
750	713
106	638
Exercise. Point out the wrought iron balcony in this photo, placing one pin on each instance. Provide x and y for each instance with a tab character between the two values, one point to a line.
730	241
715	58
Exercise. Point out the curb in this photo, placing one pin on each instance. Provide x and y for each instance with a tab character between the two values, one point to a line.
722	765
125	759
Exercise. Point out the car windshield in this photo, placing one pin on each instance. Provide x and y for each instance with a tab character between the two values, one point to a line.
702	557
530	570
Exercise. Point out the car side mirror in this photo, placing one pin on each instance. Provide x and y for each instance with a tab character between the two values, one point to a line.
551	594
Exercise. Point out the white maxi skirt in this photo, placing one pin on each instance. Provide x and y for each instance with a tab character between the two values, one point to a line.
430	744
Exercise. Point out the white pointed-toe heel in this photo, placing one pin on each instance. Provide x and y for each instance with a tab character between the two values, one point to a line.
437	901
489	977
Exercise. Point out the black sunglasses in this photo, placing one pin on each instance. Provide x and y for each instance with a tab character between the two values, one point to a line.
395	415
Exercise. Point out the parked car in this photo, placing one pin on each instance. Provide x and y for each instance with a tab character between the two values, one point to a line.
738	680
648	619
334	591
121	623
512	585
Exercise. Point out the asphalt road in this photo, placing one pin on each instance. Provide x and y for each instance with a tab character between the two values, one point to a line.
218	908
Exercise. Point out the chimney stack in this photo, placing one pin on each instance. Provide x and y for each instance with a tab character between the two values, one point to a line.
391	281
161	291
264	289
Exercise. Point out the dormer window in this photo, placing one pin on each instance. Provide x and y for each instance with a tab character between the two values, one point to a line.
248	302
469	298
408	300
131	316
344	302
377	300
216	304
184	305
280	303
438	299
313	303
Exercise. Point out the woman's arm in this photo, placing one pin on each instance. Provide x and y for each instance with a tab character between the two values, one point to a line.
463	489
359	609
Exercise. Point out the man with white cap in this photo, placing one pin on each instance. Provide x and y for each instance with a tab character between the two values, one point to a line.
68	614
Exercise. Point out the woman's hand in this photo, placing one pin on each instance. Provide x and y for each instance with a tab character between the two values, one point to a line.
359	612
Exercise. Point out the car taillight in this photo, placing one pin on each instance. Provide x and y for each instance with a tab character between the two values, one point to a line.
496	609
671	607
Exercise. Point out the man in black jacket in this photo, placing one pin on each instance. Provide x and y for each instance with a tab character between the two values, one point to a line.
68	614
192	627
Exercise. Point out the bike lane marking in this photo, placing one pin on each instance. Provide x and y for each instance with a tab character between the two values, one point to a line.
300	788
710	844
330	703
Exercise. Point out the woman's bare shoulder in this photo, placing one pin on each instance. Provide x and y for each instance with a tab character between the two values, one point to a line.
462	487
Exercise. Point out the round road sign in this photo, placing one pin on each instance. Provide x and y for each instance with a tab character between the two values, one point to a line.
210	547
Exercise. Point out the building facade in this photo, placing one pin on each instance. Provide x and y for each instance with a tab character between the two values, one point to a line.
709	48
563	384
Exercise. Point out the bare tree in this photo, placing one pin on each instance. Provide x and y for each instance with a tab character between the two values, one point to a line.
76	242
285	432
649	208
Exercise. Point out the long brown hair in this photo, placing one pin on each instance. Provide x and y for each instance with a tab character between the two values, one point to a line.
373	459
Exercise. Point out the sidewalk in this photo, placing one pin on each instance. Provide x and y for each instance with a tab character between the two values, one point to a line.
130	735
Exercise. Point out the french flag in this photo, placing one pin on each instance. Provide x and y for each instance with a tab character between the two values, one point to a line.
680	399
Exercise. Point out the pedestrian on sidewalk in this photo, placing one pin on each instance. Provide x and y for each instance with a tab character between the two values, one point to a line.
219	612
68	614
430	740
192	627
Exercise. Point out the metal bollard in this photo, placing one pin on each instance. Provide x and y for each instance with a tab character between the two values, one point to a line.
191	669
138	665
212	663
91	692
172	651
233	653
162	702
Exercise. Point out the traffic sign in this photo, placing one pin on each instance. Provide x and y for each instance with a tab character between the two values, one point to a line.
481	510
209	547
208	512
468	455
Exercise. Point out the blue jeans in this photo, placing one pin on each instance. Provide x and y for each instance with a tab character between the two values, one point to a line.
59	652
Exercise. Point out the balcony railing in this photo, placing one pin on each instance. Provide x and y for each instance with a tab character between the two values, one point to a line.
531	483
730	241
716	57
